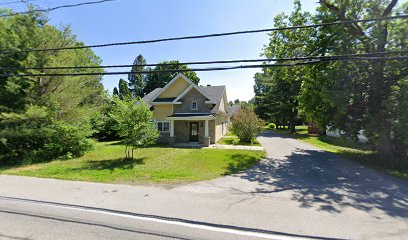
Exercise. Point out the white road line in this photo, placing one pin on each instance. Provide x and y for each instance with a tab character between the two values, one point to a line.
174	222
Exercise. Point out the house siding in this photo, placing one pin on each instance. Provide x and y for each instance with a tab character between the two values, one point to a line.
163	138
211	126
160	112
193	95
181	131
219	131
175	89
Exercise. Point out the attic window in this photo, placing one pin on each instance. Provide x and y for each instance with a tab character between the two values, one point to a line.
194	105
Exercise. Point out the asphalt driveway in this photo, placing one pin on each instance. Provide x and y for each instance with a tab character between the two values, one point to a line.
298	191
341	197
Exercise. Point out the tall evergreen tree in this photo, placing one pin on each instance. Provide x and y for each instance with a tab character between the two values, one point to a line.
115	92
124	91
137	81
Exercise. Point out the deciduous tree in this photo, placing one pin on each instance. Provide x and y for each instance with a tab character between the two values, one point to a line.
134	122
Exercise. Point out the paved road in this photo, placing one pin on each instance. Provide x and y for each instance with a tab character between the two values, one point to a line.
299	191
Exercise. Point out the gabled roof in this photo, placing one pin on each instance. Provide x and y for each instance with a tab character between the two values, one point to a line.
166	99
150	95
214	94
171	83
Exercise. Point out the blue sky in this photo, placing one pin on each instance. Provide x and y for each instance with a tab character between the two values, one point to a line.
130	20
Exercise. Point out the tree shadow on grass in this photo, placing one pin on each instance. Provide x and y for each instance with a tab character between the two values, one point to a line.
240	163
119	142
284	133
111	164
343	142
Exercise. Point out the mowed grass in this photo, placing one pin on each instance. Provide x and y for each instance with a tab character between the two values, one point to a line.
158	164
235	141
348	149
231	139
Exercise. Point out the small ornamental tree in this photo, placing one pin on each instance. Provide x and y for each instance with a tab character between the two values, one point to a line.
246	125
134	122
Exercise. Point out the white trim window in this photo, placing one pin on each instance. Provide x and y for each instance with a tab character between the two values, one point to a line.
163	126
194	105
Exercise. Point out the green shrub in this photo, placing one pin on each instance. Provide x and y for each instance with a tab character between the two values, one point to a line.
33	136
67	142
272	125
246	125
103	126
235	141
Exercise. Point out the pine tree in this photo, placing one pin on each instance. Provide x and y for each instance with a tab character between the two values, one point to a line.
137	81
124	91
115	91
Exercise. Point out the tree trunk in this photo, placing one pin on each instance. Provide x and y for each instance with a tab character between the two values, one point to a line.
291	126
380	111
384	147
292	117
132	152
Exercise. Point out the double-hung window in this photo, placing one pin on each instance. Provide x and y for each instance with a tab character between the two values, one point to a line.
194	105
163	126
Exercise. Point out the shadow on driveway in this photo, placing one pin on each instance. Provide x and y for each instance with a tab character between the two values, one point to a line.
327	182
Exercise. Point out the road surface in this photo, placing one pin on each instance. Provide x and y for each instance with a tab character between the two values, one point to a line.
299	191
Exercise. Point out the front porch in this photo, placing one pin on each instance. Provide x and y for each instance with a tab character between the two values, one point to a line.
191	128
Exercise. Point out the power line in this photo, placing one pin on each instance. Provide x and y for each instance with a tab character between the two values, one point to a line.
208	35
203	69
14	2
333	57
57	7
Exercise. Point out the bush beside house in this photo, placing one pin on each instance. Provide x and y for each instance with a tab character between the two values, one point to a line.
247	125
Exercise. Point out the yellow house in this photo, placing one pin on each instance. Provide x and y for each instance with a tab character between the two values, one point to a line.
185	112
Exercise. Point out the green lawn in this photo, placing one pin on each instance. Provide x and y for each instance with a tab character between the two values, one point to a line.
347	149
158	164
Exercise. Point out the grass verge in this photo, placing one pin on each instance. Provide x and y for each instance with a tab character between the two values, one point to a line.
157	164
354	151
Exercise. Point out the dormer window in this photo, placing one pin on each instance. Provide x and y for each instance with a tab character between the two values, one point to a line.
194	105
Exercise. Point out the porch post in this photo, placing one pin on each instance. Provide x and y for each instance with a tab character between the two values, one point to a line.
206	135
172	139
172	128
206	129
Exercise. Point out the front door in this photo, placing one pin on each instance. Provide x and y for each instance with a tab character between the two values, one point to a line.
193	136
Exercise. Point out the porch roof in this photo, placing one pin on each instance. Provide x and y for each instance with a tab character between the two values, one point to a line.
191	116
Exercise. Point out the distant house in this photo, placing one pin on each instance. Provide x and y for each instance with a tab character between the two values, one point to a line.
233	109
337	133
185	112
